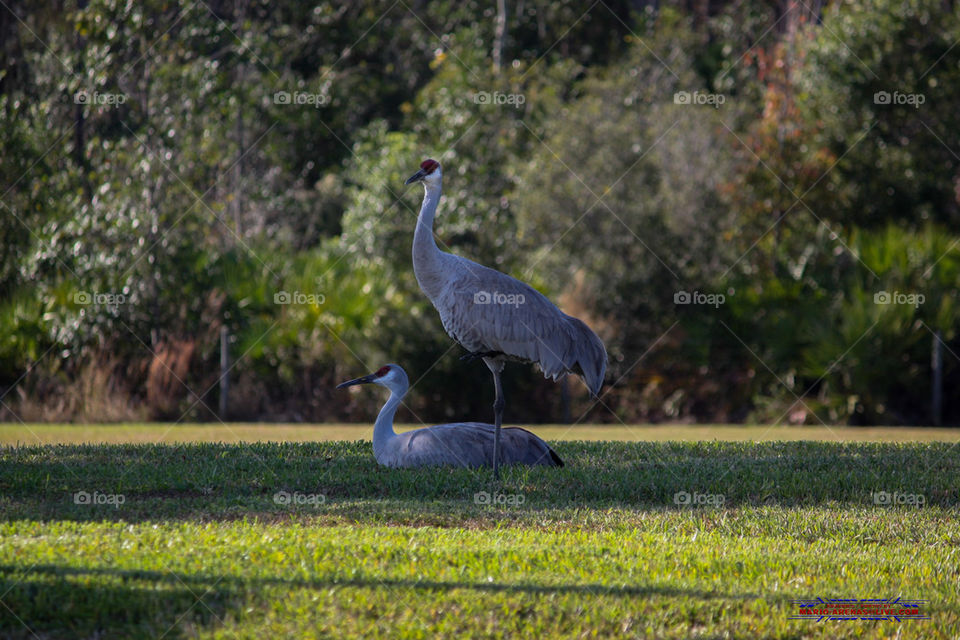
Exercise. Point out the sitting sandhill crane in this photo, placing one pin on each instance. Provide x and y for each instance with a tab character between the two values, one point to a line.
460	444
496	317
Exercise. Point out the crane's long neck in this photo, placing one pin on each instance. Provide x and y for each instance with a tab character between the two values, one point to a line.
427	257
383	428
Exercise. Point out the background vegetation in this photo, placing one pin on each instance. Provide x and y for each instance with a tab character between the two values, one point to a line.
156	186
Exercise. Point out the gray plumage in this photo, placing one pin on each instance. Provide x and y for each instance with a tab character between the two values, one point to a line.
460	444
533	330
490	312
467	444
496	317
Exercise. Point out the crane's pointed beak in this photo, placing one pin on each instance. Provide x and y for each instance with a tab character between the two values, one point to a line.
349	383
416	177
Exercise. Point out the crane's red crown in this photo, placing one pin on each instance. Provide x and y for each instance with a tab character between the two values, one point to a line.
429	165
382	371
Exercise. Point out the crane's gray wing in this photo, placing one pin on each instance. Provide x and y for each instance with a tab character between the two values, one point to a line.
485	310
470	444
519	446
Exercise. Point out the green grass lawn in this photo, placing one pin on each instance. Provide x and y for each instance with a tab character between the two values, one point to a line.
313	539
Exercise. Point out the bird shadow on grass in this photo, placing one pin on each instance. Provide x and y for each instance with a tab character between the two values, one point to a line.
60	601
211	481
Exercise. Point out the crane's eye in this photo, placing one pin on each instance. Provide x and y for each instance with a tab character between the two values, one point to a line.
382	371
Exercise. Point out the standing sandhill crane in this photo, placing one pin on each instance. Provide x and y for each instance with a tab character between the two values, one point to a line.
496	317
460	444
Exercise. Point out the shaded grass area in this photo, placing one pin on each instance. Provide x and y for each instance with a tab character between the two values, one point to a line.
201	546
134	433
223	480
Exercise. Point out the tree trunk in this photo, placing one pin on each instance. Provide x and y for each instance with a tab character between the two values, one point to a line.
500	35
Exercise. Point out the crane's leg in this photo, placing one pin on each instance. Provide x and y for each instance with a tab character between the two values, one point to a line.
496	367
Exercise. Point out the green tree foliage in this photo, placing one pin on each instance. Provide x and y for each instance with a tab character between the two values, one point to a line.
884	82
840	189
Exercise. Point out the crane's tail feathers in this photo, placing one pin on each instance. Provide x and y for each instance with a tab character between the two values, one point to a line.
523	447
581	353
556	459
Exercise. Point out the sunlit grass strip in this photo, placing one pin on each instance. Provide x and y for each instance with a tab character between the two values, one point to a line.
672	573
268	432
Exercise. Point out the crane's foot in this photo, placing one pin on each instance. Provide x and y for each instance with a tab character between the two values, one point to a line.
496	477
470	357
